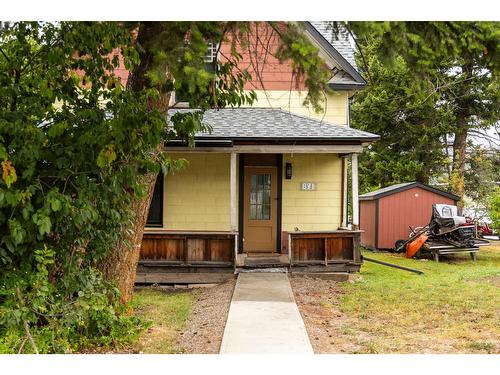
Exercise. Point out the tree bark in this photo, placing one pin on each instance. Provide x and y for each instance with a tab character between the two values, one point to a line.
458	165
457	181
120	265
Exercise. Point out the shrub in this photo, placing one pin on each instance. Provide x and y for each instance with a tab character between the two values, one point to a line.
68	174
494	209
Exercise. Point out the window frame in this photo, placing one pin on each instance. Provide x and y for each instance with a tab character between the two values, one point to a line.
160	184
211	56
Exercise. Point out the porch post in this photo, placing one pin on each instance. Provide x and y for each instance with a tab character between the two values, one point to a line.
345	203
232	191
355	201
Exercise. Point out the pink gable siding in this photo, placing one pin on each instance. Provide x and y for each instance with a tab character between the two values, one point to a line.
266	70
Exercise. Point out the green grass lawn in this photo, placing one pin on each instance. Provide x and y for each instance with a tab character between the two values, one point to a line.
453	307
168	312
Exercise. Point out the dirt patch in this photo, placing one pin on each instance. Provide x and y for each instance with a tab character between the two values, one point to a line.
205	326
318	302
493	280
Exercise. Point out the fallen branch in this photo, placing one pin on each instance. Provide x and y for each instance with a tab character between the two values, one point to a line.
22	345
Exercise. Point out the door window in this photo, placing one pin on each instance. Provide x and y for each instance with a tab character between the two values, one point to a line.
260	196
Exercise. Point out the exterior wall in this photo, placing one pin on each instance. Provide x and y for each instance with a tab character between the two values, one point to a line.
367	223
257	58
274	82
120	72
398	211
197	198
312	210
335	110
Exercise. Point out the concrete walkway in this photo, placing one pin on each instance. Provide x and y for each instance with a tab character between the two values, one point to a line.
264	318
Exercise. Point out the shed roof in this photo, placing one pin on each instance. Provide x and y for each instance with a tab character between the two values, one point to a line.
250	123
393	189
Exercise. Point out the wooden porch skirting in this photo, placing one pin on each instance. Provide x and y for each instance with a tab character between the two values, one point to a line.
169	257
209	257
188	248
325	251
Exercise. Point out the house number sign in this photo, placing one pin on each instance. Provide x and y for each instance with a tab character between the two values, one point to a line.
308	186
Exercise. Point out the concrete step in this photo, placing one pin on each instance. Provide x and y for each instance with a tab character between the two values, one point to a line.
256	261
261	269
262	265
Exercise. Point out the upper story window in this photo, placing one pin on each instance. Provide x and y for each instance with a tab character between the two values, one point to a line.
181	96
212	52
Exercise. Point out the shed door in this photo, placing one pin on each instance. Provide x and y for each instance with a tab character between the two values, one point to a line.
260	209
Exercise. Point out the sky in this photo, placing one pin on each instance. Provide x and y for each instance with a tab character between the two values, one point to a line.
493	142
265	10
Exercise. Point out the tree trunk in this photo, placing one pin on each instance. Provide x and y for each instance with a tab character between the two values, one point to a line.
422	177
458	165
457	181
120	265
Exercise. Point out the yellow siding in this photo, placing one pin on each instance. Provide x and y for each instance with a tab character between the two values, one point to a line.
313	210
197	197
335	109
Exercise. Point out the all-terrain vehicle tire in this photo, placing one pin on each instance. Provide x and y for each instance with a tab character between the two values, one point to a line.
397	244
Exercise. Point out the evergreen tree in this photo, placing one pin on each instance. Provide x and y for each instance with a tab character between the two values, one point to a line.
455	68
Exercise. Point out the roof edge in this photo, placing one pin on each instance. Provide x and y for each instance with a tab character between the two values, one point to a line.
347	86
353	140
409	186
346	65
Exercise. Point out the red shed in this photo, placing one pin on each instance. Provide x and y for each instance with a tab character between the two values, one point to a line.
386	214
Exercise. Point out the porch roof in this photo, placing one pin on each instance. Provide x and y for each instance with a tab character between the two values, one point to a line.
261	124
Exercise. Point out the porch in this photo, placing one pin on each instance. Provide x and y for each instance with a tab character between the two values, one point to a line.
245	202
301	230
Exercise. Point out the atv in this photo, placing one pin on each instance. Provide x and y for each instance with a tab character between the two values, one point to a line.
446	233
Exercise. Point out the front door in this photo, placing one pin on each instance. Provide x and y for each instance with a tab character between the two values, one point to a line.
260	209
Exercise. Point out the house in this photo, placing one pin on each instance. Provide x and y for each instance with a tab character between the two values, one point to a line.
268	185
387	214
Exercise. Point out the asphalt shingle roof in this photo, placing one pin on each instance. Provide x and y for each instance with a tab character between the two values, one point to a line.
340	41
273	123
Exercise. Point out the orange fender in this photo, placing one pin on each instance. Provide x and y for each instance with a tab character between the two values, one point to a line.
415	245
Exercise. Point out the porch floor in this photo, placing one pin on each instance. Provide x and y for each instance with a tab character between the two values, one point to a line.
264	318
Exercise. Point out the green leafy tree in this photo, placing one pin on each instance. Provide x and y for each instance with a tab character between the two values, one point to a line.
494	209
79	154
68	160
481	173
